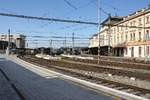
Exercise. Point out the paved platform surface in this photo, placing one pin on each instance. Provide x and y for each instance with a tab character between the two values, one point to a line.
6	91
47	86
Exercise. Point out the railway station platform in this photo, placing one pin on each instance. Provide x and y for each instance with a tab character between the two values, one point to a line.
6	90
35	84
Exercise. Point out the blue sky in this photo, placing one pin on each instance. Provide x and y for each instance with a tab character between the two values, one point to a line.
86	11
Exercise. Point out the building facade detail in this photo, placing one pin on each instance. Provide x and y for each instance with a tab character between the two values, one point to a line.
129	37
17	39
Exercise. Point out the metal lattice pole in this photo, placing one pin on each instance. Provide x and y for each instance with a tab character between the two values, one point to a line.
72	43
109	34
98	16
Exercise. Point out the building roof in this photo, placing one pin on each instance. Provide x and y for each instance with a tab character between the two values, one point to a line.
115	20
112	20
135	14
93	36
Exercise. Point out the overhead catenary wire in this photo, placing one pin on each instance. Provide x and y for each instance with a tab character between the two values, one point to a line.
55	42
73	27
70	4
68	27
63	20
81	28
59	43
56	37
35	31
47	19
80	7
84	27
46	32
116	8
102	10
112	7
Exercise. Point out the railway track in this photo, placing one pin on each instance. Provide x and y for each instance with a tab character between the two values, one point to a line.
76	73
124	64
93	68
119	59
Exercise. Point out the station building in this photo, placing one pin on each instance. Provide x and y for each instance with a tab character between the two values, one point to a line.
93	44
105	37
129	37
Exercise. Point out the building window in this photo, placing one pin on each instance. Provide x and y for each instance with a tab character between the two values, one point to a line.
130	23
11	36
148	48
140	51
111	30
114	30
126	37
118	29
140	21
147	19
121	37
126	51
126	26
134	22
132	51
3	35
131	36
114	39
121	28
140	38
146	35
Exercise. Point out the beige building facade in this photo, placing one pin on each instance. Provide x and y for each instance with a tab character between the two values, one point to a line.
130	37
93	41
105	36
